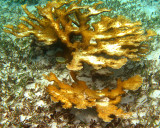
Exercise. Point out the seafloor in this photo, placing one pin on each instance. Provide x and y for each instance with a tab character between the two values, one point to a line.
24	102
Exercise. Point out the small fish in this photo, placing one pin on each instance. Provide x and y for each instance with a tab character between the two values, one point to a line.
60	59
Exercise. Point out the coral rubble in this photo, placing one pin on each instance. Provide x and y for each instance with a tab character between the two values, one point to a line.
81	97
109	42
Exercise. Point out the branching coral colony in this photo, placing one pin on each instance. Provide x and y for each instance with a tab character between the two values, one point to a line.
109	42
79	95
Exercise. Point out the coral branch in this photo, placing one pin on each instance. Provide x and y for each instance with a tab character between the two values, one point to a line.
110	42
81	97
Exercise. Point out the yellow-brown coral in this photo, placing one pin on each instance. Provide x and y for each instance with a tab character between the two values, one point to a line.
110	42
81	97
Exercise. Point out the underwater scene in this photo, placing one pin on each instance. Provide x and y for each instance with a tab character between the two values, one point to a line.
80	64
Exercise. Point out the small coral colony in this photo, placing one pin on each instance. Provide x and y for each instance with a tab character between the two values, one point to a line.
108	42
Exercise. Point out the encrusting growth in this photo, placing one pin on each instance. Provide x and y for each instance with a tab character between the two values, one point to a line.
81	97
109	42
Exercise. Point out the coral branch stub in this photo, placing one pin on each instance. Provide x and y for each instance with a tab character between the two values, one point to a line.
109	42
78	95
